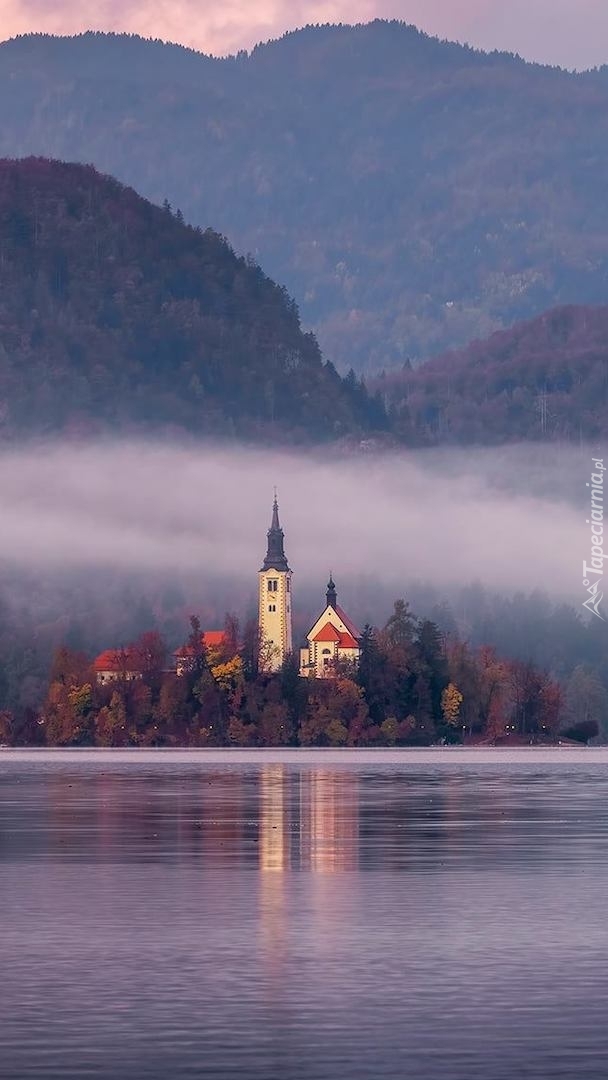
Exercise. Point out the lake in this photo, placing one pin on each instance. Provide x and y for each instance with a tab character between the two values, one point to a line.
312	915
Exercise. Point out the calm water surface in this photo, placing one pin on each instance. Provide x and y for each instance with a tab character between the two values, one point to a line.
313	916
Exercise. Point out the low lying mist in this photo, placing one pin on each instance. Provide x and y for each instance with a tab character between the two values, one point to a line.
511	519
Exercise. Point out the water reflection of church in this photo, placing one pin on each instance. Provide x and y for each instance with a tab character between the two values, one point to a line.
308	820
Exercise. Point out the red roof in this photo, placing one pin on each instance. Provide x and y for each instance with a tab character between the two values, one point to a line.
353	634
327	633
209	638
341	638
118	660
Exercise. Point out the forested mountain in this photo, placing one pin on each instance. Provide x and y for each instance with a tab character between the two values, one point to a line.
543	379
115	315
412	194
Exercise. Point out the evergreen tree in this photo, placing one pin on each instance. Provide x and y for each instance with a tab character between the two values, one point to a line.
294	691
371	673
433	664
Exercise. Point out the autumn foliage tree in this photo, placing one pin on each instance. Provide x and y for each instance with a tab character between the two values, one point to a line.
412	686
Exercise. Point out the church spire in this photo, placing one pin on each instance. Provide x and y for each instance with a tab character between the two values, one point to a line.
331	595
275	554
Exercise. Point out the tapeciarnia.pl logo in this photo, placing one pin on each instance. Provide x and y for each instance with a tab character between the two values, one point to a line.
593	572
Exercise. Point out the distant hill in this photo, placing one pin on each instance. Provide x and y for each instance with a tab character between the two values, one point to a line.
116	316
543	379
411	194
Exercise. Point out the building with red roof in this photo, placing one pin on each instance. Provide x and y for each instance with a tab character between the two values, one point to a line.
333	637
113	665
210	639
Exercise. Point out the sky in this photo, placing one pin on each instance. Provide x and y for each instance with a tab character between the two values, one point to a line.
571	33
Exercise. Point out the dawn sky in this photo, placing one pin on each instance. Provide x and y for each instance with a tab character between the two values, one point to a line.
573	33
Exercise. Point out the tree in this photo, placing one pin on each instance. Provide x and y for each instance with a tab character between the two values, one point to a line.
294	691
194	656
241	733
111	723
229	675
536	700
493	692
250	649
6	727
433	664
585	701
397	641
371	673
274	728
463	671
172	714
451	700
67	713
400	630
151	653
390	730
232	637
336	732
70	667
583	732
212	716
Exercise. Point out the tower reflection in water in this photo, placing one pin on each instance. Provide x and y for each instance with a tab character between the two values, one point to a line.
308	820
329	821
274	823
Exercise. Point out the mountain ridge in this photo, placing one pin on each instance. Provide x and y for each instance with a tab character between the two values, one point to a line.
412	194
543	379
117	316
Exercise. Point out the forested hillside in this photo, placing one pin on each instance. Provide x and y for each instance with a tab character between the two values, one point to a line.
544	379
411	194
115	315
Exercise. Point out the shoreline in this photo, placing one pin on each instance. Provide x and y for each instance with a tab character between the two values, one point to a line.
313	756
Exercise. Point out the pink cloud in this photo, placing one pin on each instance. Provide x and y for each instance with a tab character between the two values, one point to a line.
569	32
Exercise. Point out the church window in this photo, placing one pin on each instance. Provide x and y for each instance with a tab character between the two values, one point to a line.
287	584
273	585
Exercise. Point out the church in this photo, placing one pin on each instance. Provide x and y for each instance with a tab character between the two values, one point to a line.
332	637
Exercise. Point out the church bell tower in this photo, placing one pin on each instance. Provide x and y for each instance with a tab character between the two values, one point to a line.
275	597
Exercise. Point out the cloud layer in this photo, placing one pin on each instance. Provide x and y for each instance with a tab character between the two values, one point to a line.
568	32
447	518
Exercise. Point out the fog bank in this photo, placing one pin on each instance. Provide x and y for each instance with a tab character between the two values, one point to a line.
510	519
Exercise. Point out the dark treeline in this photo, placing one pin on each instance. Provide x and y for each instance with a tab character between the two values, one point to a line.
413	686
